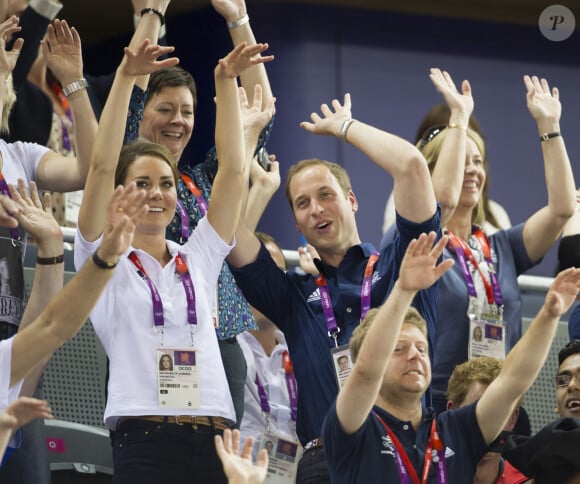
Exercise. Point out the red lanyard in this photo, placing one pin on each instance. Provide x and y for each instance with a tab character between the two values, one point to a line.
407	472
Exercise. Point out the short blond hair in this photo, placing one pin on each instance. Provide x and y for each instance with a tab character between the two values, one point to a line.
412	316
483	370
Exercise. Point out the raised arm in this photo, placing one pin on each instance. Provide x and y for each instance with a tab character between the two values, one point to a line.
544	227
231	179
39	223
63	53
419	270
61	320
524	362
413	190
235	14
152	19
447	176
109	140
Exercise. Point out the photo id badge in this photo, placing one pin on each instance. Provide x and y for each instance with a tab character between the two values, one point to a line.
283	458
177	378
486	338
342	364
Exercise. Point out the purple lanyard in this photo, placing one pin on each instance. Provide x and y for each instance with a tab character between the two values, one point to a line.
290	384
14	232
182	271
184	221
365	296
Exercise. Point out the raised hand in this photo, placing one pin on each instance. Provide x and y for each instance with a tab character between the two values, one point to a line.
255	116
460	103
307	254
125	209
230	10
8	58
144	61
240	58
22	411
543	103
563	292
35	219
330	122
419	268
62	51
8	212
239	467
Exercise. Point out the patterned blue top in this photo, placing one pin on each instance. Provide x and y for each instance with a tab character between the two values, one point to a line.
234	311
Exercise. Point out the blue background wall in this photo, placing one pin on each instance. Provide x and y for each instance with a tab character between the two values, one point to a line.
383	60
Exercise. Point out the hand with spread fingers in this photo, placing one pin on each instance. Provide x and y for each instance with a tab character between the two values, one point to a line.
37	220
329	124
8	212
239	467
8	58
126	207
63	52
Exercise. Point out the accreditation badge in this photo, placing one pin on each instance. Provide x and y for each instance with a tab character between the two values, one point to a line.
486	338
342	364
283	458
177	379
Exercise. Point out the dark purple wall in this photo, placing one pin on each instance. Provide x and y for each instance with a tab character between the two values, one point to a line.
383	60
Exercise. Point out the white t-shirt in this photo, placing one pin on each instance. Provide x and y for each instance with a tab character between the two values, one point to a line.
19	160
272	376
123	320
8	394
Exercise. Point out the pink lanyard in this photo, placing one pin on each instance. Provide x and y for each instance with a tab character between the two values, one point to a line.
184	275
365	296
433	453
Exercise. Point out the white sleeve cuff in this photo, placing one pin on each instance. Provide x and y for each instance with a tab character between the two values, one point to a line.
46	8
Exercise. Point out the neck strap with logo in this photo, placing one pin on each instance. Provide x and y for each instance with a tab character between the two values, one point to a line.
365	297
14	232
434	452
201	202
291	385
63	101
464	253
183	273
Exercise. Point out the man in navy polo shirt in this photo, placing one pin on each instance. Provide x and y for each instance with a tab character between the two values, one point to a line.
380	431
318	314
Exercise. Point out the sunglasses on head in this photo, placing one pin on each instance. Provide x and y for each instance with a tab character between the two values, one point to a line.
430	133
